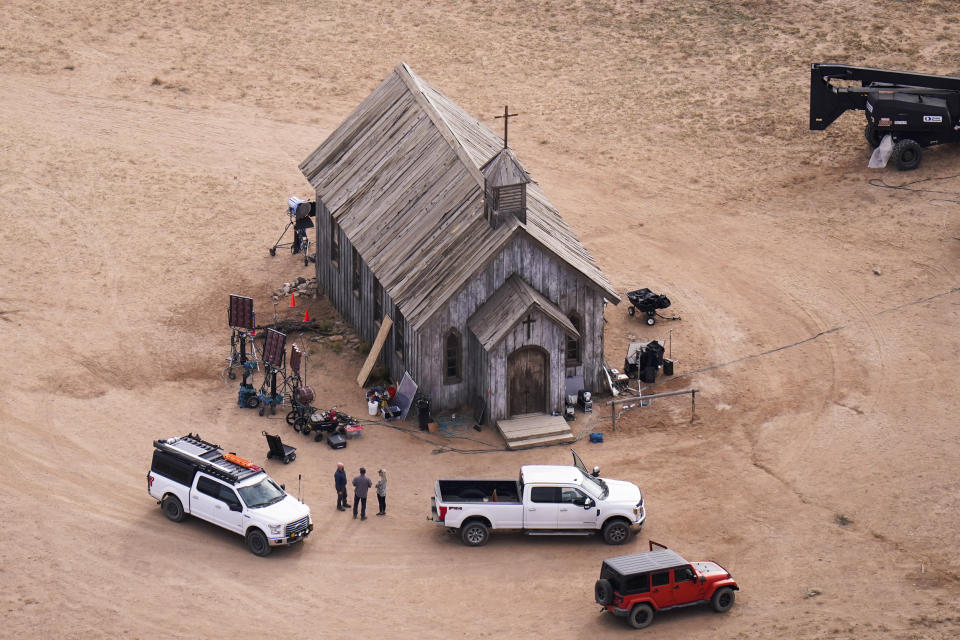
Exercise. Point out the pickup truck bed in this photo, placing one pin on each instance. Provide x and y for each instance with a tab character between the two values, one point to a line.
478	491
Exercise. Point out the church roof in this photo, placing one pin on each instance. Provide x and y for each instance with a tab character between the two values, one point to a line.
506	308
402	177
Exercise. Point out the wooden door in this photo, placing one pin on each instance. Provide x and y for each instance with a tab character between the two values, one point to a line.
528	374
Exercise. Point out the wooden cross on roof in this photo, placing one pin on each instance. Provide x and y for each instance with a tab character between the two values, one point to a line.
506	118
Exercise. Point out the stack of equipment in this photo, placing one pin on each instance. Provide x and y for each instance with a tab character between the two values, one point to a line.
650	360
390	412
423	411
585	401
643	360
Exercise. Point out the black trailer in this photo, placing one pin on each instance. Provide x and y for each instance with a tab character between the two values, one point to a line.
648	302
918	110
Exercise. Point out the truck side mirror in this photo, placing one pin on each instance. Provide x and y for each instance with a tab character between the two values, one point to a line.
283	487
235	506
588	503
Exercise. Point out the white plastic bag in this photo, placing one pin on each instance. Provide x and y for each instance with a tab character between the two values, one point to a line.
882	153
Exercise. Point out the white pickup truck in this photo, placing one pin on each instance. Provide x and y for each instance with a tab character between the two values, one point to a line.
191	476
546	500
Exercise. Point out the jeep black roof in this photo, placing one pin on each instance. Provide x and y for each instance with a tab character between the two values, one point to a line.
646	561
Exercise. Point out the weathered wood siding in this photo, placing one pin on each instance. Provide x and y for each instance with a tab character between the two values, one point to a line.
543	333
482	375
357	308
486	375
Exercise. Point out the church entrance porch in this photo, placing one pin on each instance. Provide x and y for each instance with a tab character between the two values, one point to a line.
528	381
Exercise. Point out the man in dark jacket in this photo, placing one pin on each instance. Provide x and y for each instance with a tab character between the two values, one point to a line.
340	482
361	484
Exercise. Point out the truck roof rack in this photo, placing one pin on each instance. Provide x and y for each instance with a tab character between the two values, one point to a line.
207	456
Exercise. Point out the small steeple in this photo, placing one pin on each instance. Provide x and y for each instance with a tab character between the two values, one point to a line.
506	188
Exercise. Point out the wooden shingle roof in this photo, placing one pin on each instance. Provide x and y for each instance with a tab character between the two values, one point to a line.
507	306
401	176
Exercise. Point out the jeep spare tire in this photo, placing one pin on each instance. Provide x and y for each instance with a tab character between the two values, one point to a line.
722	599
603	592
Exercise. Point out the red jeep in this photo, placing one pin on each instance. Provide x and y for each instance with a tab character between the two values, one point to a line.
640	584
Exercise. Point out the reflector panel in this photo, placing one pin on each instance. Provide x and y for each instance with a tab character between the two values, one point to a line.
273	349
240	312
295	355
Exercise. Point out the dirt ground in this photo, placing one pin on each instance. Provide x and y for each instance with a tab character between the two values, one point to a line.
146	154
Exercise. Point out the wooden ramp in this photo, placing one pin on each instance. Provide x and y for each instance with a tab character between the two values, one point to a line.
534	429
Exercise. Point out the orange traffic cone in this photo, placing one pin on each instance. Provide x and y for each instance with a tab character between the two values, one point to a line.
293	302
306	315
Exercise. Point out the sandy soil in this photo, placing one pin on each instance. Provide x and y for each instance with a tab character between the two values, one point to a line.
147	153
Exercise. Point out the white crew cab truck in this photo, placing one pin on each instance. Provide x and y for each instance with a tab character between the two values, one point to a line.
192	476
546	500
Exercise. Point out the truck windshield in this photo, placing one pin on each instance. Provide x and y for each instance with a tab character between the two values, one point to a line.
261	494
596	486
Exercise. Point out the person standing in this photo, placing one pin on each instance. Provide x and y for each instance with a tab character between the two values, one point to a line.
340	482
361	484
382	492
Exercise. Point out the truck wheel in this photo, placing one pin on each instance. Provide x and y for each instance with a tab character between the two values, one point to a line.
474	534
252	402
872	135
257	543
722	599
641	616
172	508
651	320
616	532
907	154
603	592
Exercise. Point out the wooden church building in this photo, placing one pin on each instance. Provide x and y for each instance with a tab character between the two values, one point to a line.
426	216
